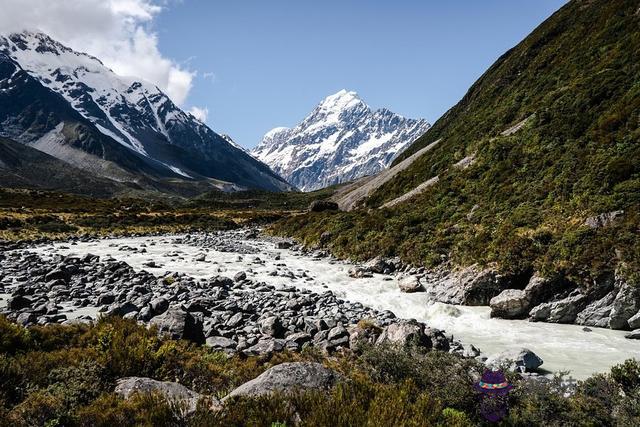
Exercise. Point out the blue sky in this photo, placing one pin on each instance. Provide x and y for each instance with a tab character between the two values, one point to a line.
263	64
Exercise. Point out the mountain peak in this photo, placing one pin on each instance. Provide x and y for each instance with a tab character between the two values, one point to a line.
340	101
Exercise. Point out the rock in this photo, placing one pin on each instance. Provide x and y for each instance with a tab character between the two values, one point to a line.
121	309
410	284
265	347
106	299
624	307
562	311
171	391
597	313
221	343
200	258
379	265
57	274
633	335
285	244
359	272
634	321
468	286
338	336
363	334
178	324
26	319
18	302
404	333
603	220
323	205
272	326
240	276
299	338
510	304
519	360
287	378
159	305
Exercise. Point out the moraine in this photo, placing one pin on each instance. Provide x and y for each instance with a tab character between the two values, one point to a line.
562	347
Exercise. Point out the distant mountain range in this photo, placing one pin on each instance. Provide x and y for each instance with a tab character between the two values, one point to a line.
70	106
341	140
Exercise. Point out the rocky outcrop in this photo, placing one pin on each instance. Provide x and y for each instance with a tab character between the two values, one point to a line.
288	378
597	313
562	311
323	205
624	307
516	303
603	220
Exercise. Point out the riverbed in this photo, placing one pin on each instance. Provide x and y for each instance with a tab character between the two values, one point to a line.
562	347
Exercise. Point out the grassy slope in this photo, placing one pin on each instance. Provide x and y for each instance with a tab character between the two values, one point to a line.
578	74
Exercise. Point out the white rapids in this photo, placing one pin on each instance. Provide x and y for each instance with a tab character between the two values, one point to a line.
562	347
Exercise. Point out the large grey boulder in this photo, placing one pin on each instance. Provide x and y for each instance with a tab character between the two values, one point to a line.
221	343
404	333
410	284
597	313
634	321
287	378
562	311
171	391
178	324
519	360
379	265
624	307
472	285
510	304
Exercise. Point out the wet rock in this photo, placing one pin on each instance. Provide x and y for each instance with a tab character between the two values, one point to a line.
178	324
624	307
597	313
410	284
288	378
562	311
359	272
510	304
633	335
379	265
519	360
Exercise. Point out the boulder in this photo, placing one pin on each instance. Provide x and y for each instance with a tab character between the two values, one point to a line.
597	313
323	205
287	378
18	302
603	220
624	307
363	334
265	347
359	272
159	305
404	333
178	324
240	276
173	392
272	326
379	265
410	284
338	336
562	311
221	343
633	335
510	304
519	360
634	321
469	286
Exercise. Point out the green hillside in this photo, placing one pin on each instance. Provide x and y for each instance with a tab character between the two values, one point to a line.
524	200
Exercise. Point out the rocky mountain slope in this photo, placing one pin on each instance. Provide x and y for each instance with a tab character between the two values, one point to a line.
341	140
535	173
71	106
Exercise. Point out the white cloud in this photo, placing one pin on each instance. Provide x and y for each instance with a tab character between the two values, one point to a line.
199	113
118	32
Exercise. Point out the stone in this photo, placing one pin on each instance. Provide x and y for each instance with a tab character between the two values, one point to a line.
562	311
634	321
603	220
240	276
159	305
624	307
171	391
25	319
379	265
265	347
178	324
359	272
121	309
518	360
106	299
597	313
469	286
510	304
323	205
18	302
272	326
404	333
288	378
410	284
633	335
221	343
57	274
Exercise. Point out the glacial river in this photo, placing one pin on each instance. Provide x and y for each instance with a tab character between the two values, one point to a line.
562	347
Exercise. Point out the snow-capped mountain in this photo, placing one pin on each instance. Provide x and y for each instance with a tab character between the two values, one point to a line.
47	88
342	139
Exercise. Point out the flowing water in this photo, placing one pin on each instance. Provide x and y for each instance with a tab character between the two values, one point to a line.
562	347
